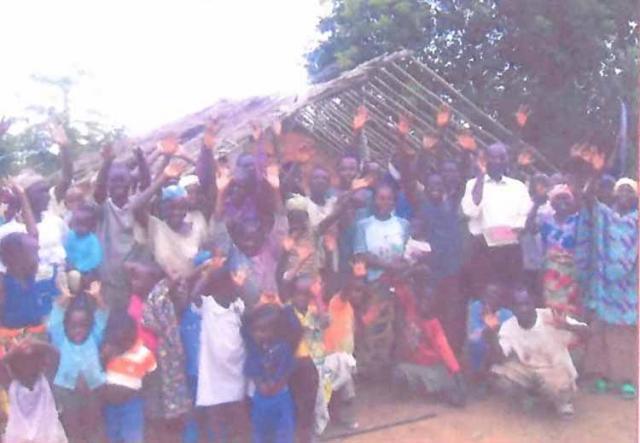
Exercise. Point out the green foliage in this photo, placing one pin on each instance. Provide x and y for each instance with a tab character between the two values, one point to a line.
32	146
569	60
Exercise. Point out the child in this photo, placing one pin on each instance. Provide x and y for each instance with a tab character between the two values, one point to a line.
84	252
487	307
76	329
32	409
166	394
222	385
427	361
270	362
127	361
142	279
335	370
24	302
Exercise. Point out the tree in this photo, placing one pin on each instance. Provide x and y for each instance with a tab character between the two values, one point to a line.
570	61
33	147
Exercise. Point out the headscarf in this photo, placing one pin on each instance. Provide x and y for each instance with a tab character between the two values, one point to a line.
173	192
626	181
558	190
189	180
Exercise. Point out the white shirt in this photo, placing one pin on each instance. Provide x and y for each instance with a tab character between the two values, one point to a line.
52	232
505	203
544	346
222	354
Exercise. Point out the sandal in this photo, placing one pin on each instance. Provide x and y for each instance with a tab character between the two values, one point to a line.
628	391
601	386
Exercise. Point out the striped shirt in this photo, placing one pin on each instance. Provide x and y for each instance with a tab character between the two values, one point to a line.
130	368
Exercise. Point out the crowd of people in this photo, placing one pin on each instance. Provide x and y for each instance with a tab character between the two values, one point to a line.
250	299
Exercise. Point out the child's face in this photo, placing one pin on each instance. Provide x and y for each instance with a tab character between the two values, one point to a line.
563	204
38	194
249	238
298	223
24	262
492	296
73	199
263	332
142	278
78	326
83	222
27	367
119	182
319	182
302	294
347	170
355	292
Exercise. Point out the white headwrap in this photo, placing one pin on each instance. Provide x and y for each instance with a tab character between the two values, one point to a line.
626	181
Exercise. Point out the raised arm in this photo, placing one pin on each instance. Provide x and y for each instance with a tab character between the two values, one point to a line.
205	170
27	213
144	172
100	192
139	203
60	137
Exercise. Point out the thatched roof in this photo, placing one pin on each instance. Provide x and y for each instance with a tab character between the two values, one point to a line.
388	85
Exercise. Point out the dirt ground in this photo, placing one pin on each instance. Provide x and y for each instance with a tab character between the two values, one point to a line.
599	419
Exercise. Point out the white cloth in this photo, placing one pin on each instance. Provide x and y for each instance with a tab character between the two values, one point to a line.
318	213
416	249
504	204
33	417
222	354
542	347
52	231
175	251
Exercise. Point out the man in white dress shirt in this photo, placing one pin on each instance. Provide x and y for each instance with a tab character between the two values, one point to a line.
497	207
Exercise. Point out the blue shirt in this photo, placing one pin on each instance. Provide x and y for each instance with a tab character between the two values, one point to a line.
27	303
77	359
84	253
273	364
445	235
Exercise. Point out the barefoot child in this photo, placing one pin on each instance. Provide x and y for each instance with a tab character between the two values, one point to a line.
222	384
270	363
127	362
76	327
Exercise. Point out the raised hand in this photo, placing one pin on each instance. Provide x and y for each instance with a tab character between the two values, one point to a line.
256	130
174	170
168	146
429	141
239	277
466	140
361	117
443	116
522	115
107	152
210	134
277	128
361	183
403	125
223	177
525	158
273	176
58	134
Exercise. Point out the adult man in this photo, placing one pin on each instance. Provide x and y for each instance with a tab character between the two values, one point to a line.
530	352
497	207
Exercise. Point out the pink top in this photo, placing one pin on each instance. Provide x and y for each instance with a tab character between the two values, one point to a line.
148	338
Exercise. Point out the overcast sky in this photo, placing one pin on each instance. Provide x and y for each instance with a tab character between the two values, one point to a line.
148	62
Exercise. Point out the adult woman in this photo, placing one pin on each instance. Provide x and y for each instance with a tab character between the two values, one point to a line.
608	260
558	235
380	241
